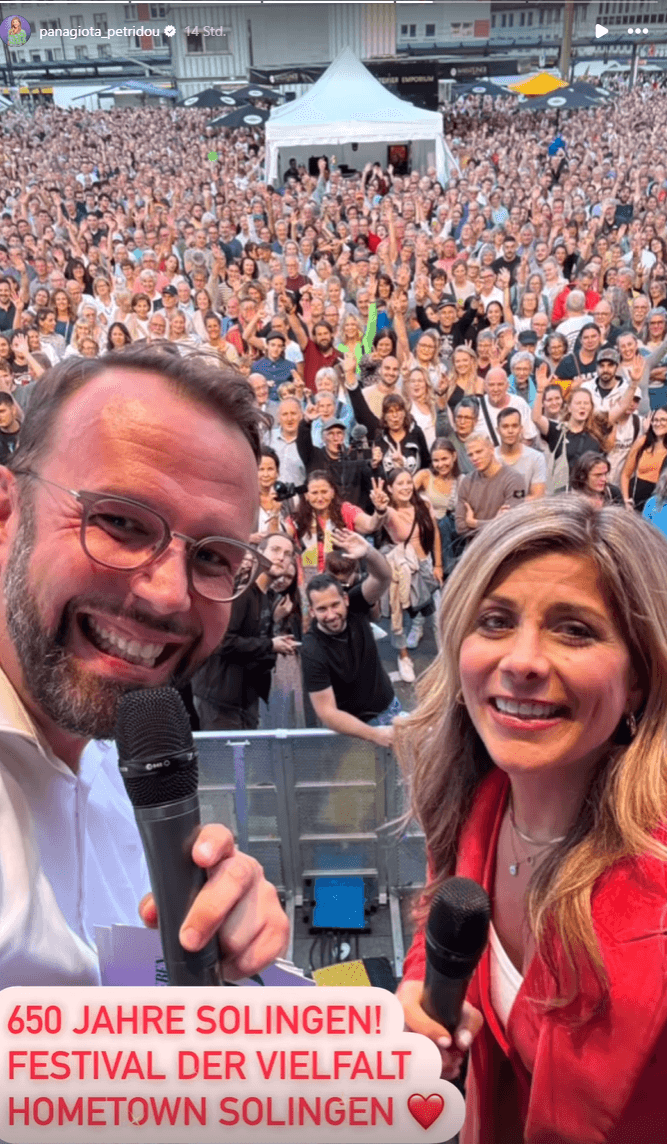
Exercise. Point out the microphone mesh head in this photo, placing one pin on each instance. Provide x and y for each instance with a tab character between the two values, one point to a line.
459	918
153	724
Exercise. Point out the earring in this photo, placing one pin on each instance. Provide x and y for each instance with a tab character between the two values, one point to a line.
458	698
632	724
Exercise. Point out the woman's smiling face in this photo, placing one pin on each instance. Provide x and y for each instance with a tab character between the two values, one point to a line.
545	675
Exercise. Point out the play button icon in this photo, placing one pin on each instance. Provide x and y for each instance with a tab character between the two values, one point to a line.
600	30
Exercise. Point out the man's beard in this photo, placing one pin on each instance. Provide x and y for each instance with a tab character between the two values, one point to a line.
74	699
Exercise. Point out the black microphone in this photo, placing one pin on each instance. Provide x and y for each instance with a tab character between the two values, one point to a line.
456	935
158	762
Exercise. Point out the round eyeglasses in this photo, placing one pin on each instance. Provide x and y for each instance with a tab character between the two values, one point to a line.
126	535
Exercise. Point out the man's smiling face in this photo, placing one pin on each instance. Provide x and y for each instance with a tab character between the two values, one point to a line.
74	636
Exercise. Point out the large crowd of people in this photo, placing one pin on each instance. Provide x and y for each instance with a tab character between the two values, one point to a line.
427	356
407	365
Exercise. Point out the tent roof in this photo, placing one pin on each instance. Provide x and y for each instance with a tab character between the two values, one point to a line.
348	103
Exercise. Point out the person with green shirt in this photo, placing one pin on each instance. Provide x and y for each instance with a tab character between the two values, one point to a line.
354	342
17	36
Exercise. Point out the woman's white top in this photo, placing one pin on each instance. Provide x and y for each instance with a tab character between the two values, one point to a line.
425	421
506	980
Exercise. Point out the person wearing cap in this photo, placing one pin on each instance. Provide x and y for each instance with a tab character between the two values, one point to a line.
274	365
168	301
351	476
528	340
453	330
607	386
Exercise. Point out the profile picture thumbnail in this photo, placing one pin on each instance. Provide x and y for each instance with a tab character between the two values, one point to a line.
15	31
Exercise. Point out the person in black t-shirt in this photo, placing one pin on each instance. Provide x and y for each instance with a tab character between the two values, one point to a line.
10	425
582	362
509	260
575	433
349	689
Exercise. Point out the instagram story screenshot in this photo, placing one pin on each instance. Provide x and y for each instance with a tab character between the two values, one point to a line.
333	549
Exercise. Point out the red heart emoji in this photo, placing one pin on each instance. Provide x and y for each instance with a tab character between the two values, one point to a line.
426	1109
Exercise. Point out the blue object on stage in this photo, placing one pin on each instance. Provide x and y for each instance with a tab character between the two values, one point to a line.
339	903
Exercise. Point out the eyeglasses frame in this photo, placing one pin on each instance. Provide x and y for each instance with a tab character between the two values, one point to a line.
88	500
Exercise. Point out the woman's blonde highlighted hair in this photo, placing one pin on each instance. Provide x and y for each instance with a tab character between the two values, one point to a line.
445	760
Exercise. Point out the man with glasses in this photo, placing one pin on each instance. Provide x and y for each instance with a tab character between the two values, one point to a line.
602	316
488	291
126	510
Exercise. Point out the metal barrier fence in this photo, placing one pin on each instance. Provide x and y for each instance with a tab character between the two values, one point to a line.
310	802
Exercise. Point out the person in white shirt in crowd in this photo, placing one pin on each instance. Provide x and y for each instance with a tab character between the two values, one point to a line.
496	396
283	440
577	317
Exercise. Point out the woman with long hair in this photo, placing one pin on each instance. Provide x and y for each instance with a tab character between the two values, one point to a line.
578	430
494	317
118	337
554	283
77	271
65	314
646	461
535	285
353	339
425	356
397	442
6	352
178	334
420	400
203	306
319	512
463	377
271	511
416	554
79	345
172	272
527	308
215	344
657	291
105	302
439	485
535	761
384	345
590	478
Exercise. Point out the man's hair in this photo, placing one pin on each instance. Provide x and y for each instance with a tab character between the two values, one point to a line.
486	441
576	302
336	564
6	398
508	411
321	582
221	390
265	540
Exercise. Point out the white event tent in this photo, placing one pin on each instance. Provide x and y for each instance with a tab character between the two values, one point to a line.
349	106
